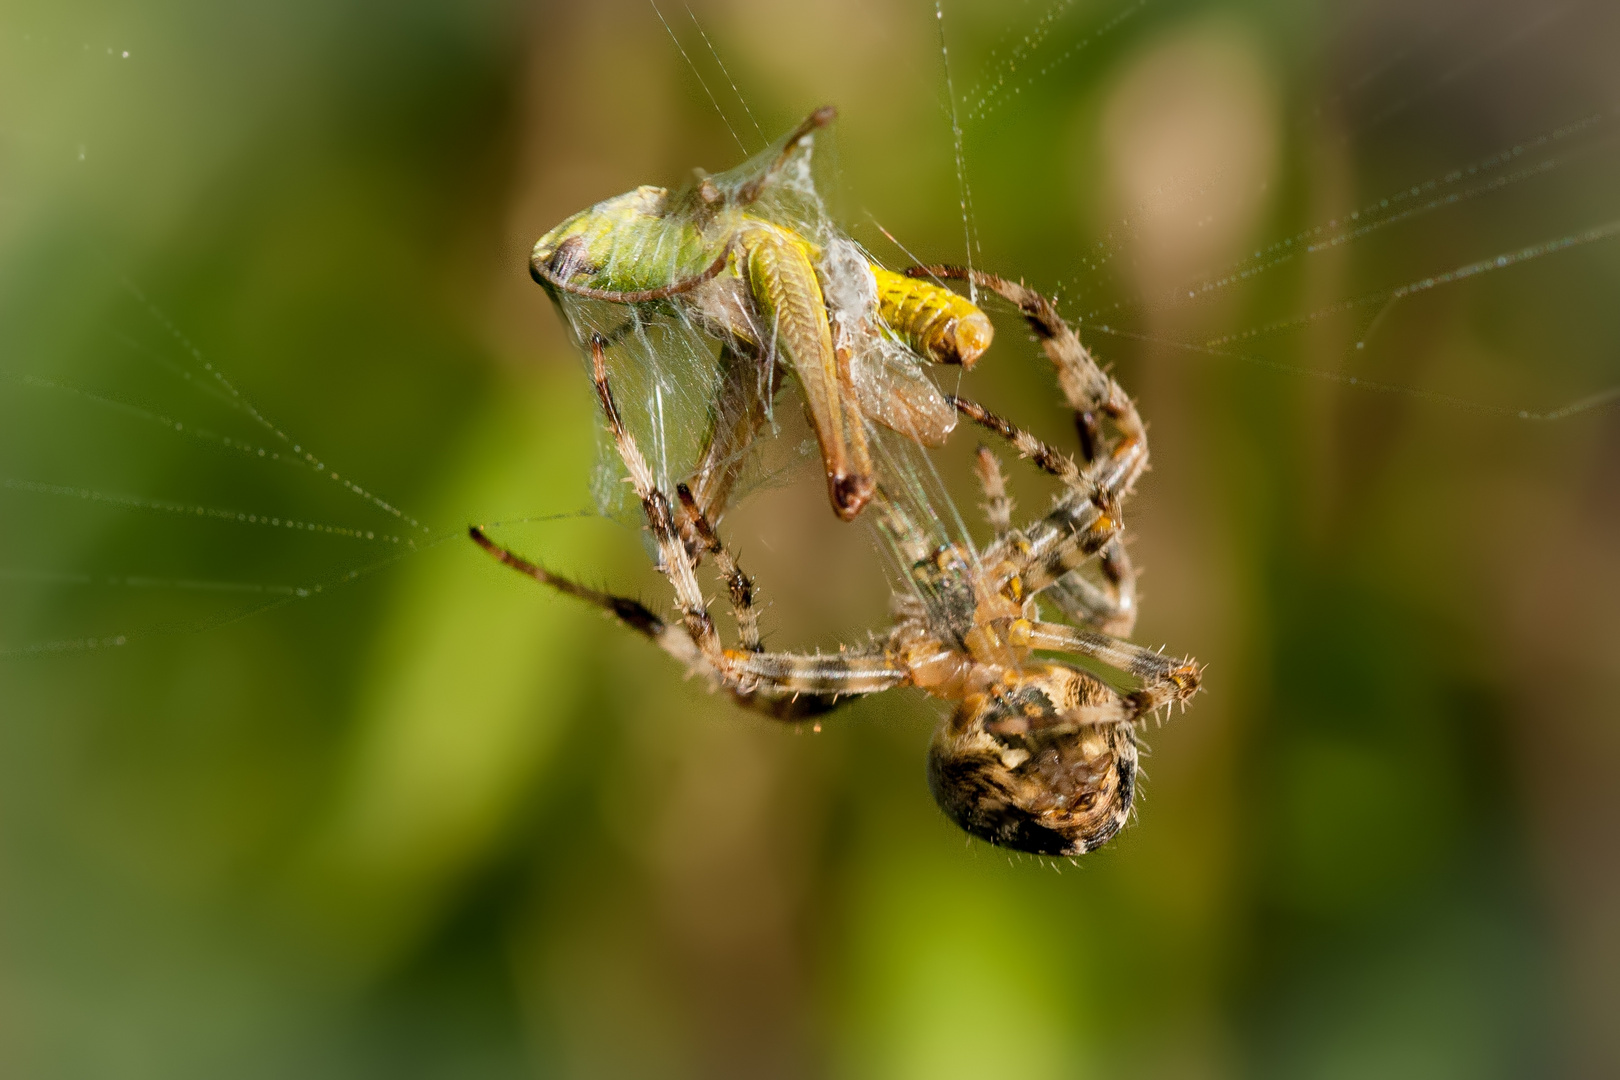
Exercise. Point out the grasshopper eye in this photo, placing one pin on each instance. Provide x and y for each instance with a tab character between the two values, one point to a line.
567	259
1013	773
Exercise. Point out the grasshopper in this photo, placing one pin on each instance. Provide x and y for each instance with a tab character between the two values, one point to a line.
712	255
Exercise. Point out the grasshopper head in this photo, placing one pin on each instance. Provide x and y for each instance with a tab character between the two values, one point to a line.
584	243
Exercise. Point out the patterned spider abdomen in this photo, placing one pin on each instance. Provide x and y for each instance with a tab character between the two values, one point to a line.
1024	770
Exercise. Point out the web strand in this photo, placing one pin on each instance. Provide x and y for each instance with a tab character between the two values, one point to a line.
1376	214
1582	404
721	64
1606	231
701	80
994	95
277	599
246	406
195	510
964	192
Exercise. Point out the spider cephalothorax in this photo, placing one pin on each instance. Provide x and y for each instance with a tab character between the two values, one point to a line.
1038	755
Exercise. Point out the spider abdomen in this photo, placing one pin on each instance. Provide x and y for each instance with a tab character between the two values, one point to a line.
1018	770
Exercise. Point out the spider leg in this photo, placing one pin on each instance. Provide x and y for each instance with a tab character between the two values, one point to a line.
1089	390
1047	459
738	584
632	613
1084	521
673	559
782	686
997	503
1109	605
1091	393
767	681
844	674
1165	679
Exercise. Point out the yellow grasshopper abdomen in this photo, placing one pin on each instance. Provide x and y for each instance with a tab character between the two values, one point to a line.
942	325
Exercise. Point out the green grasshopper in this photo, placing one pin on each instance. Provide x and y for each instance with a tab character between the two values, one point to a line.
712	255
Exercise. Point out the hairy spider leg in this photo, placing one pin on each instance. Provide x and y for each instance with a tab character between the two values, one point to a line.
738	671
1091	393
673	640
781	685
655	506
1102	609
632	613
1081	523
1090	512
1164	679
1109	606
997	503
739	585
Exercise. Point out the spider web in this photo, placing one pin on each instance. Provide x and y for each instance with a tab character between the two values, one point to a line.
255	484
1579	144
146	499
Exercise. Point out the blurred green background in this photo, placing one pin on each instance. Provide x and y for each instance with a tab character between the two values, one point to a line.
277	800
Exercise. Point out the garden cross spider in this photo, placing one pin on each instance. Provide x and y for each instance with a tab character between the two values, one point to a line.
1038	755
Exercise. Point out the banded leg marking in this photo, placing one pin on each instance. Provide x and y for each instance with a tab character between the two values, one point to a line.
738	584
1165	679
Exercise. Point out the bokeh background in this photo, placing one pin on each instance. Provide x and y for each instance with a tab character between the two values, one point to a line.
338	796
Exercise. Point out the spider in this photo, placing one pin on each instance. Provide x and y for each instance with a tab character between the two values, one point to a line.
1038	755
